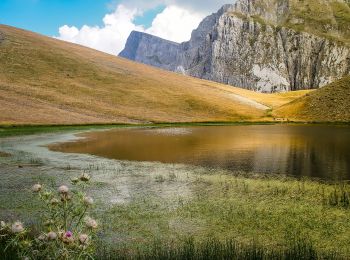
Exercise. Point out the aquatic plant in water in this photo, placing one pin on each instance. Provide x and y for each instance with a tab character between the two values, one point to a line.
67	231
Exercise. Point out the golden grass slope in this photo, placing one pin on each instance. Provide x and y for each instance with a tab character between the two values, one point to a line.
47	81
328	104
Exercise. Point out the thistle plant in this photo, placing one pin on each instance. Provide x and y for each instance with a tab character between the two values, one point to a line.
67	231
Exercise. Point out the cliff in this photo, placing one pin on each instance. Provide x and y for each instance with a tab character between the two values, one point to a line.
266	46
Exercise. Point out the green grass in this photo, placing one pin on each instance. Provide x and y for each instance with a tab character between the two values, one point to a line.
230	217
15	130
211	249
6	131
218	250
326	18
270	212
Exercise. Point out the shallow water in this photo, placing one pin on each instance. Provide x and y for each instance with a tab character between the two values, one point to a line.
299	150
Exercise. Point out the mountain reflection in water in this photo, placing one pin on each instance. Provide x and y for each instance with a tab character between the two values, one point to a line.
300	150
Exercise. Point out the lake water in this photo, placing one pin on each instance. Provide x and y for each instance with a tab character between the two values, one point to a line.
299	150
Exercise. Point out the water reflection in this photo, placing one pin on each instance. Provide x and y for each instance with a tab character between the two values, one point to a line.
301	150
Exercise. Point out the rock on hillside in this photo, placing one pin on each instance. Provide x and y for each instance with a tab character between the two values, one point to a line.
266	46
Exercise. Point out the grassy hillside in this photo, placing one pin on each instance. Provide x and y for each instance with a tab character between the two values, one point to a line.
331	103
46	81
329	18
325	18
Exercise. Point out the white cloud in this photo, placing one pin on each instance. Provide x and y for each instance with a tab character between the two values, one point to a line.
110	38
174	23
204	7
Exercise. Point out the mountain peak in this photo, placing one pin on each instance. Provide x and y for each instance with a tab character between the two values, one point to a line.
262	45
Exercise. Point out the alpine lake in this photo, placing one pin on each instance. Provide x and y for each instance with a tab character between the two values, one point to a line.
264	184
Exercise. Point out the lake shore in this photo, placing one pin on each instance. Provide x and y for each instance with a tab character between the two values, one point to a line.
17	130
142	202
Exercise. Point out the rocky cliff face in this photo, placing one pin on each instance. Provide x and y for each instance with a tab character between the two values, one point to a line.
254	45
151	50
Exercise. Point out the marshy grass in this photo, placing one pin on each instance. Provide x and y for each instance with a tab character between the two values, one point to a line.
268	217
211	249
142	218
281	214
217	250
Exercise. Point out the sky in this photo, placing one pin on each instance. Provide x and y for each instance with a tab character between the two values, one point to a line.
106	24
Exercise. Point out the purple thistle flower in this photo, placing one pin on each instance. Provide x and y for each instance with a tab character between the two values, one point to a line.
69	234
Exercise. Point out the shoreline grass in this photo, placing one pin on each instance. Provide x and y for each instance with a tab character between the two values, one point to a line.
269	217
218	250
17	130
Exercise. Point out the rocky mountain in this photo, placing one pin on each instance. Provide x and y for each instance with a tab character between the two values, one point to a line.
265	45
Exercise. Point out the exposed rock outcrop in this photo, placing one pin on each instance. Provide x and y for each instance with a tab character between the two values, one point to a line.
252	44
151	50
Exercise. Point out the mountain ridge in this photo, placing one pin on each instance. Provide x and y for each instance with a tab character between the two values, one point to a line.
236	46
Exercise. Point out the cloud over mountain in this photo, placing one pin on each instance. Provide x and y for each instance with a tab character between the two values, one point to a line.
175	22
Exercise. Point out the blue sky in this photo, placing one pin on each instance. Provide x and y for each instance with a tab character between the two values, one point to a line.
46	16
106	24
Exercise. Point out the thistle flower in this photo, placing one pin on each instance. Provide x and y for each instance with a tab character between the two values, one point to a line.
2	224
85	177
42	237
68	237
75	180
51	235
88	201
36	188
65	197
60	234
91	223
63	189
17	227
83	239
54	201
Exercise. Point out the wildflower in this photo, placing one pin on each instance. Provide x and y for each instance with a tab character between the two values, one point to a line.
91	223
63	189
85	177
75	180
60	234
65	197
68	237
51	235
36	188
88	201
54	201
42	237
17	227
2	224
83	239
